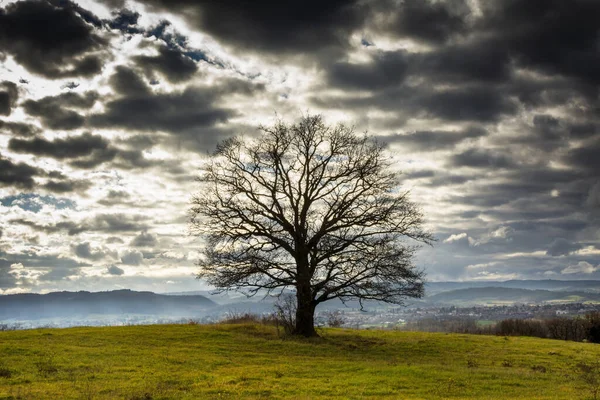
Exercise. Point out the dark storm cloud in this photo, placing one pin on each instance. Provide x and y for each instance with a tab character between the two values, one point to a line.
542	178
114	270
583	130
433	140
67	186
34	260
276	27
528	197
17	174
527	202
586	157
443	179
548	130
126	82
19	128
51	40
69	147
553	36
115	197
170	112
7	280
84	250
477	104
174	65
117	194
562	247
474	69
546	134
593	198
56	111
140	142
191	114
70	227
426	20
107	223
385	69
125	20
8	97
475	61
144	239
438	178
420	174
482	158
85	151
117	223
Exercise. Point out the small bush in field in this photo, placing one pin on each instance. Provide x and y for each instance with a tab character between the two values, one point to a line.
234	317
285	313
335	319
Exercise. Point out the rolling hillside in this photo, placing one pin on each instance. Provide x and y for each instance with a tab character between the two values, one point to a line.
252	361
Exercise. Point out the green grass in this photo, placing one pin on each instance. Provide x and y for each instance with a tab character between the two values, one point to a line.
251	361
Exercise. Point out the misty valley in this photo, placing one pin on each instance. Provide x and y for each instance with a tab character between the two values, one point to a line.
446	306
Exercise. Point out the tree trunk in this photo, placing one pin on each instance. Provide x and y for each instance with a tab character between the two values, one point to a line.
305	316
305	306
305	310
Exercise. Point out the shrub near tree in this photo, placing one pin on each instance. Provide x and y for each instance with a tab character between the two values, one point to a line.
310	207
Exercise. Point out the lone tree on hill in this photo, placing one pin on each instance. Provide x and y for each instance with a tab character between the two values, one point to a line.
311	207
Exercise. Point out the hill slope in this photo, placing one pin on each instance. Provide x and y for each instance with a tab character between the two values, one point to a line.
82	304
249	361
499	295
591	286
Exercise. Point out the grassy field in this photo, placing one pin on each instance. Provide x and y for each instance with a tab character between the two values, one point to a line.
251	361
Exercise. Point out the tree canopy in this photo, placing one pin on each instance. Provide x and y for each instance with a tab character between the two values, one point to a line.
311	207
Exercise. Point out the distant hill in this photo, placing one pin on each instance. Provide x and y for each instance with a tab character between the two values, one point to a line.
84	304
66	308
592	286
500	295
223	298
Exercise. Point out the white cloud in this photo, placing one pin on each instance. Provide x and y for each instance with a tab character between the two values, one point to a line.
582	267
456	237
501	234
16	267
494	276
481	266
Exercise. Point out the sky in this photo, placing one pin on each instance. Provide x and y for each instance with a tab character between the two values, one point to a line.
108	108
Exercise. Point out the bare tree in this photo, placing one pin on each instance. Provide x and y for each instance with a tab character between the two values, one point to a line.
311	207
